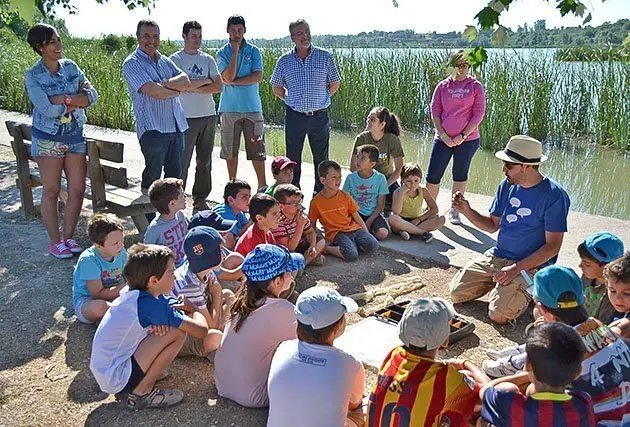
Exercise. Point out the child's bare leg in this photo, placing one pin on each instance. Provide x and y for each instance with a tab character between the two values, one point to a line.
229	241
319	247
93	310
231	266
154	355
334	250
228	301
212	341
432	223
398	224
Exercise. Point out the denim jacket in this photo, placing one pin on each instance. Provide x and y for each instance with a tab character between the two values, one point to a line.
41	84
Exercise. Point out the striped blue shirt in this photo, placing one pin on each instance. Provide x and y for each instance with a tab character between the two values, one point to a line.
162	115
306	80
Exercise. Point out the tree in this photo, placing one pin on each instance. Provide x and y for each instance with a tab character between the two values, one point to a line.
26	8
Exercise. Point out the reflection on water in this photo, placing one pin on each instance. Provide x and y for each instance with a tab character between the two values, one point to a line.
596	179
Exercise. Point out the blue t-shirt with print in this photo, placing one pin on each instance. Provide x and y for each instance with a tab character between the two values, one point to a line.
227	212
92	266
526	214
240	98
158	310
365	191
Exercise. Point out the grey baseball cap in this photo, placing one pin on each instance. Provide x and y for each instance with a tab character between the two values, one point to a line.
425	323
320	306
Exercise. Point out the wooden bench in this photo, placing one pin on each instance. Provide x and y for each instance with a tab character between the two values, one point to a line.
106	185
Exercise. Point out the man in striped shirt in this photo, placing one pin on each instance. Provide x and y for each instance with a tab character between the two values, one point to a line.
155	83
415	389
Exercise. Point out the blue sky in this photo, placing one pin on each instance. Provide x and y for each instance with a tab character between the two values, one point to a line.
269	19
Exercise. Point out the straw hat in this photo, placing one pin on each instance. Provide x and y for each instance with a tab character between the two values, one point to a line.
522	149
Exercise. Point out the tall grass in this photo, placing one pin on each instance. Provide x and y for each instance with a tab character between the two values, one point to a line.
532	94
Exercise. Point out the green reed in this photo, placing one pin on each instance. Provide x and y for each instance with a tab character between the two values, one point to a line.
550	100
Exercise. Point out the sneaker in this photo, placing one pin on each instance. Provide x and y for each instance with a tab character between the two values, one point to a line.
155	399
499	368
512	350
73	246
59	250
426	237
404	235
453	216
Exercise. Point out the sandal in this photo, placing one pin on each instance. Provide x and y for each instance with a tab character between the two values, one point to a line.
320	260
155	399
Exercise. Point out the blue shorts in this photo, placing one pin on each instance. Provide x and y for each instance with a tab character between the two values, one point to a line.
441	155
48	148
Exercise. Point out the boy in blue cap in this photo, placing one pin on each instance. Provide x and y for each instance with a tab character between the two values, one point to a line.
559	297
195	280
595	252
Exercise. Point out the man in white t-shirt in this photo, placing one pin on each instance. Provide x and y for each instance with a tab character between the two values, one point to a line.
312	383
200	110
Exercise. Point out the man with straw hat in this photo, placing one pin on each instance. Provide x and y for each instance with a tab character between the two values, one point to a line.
530	212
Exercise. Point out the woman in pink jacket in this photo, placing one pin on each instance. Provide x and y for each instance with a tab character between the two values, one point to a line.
457	109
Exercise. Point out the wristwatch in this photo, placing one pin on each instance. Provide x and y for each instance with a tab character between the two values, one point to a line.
464	135
67	100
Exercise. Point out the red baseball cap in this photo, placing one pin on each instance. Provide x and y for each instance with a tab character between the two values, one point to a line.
281	162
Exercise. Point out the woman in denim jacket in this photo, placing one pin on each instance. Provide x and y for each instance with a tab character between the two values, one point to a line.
59	92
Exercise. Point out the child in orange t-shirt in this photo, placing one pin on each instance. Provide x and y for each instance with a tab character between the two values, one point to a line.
346	233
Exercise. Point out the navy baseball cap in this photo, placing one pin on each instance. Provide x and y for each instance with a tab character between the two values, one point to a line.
210	218
268	261
203	248
553	281
604	246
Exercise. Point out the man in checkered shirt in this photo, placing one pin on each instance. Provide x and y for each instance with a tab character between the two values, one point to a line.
305	78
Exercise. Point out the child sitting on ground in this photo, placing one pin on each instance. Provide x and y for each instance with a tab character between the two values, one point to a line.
264	211
170	227
236	195
282	171
554	359
407	217
126	357
196	281
559	297
312	383
410	376
98	275
615	306
595	252
294	229
368	188
345	230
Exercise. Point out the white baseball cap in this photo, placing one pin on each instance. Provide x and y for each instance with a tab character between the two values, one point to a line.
424	323
321	306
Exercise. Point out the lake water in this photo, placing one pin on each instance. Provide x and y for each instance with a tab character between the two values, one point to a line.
597	179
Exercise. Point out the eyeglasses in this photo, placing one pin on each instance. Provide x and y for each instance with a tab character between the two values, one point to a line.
463	65
510	165
296	203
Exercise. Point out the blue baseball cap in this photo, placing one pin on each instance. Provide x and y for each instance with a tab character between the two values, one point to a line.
321	306
553	281
202	246
210	218
268	261
604	246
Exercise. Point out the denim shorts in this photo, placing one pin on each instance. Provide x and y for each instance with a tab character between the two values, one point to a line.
78	306
48	148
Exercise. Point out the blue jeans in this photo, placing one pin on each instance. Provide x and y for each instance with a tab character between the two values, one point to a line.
296	127
441	155
161	150
351	243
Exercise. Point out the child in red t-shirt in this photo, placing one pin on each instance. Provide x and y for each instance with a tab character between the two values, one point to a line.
264	211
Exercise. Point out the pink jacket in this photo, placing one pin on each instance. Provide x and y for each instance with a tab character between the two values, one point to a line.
457	104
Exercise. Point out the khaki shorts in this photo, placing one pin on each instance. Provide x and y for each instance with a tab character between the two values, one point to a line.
250	125
475	280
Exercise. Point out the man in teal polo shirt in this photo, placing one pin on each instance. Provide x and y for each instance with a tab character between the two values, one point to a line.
240	108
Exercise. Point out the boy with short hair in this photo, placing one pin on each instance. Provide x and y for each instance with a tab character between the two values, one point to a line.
126	357
368	188
346	233
294	230
98	275
615	306
411	377
236	195
282	171
264	211
595	252
554	358
312	383
170	227
196	281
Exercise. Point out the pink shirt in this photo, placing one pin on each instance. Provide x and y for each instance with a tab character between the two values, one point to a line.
458	104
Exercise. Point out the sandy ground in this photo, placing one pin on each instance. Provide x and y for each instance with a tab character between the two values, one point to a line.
44	373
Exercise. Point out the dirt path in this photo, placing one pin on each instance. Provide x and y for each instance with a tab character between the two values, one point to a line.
44	373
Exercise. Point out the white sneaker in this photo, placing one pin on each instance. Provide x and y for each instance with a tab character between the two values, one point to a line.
453	216
404	235
499	368
512	350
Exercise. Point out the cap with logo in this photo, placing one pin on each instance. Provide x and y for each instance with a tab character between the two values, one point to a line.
202	247
321	306
281	162
210	218
522	149
268	261
425	323
605	247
